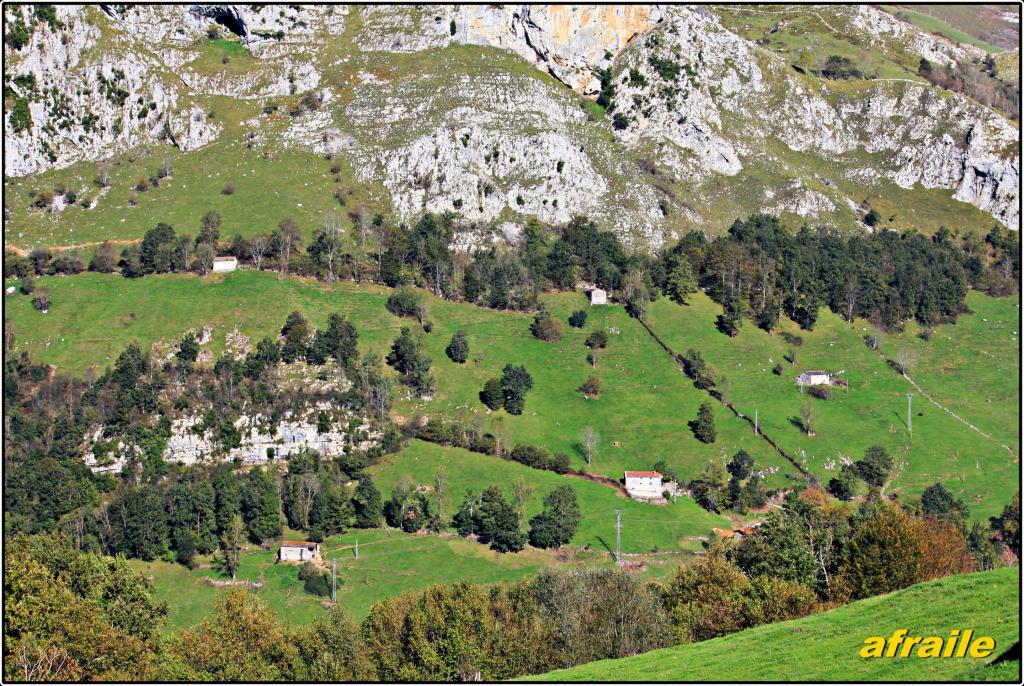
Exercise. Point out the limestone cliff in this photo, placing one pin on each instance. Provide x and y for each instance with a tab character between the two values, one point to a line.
492	121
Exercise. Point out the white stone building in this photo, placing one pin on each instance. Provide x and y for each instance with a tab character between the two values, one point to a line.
816	378
598	296
225	264
644	485
299	551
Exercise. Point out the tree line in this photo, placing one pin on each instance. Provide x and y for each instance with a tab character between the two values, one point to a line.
73	615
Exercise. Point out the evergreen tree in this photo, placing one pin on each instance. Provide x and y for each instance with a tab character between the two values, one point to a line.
369	505
458	348
296	334
704	426
491	395
515	383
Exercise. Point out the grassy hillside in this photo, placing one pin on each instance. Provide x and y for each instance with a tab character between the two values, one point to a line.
873	410
646	528
825	647
644	406
387	566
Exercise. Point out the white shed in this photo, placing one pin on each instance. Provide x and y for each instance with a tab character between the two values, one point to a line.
299	551
816	378
225	264
598	296
644	484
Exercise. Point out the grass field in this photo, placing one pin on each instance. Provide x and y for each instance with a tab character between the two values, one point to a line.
873	409
972	367
825	647
646	528
644	406
387	566
927	17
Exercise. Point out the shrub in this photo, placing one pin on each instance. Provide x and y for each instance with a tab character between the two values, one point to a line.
591	387
545	327
578	319
28	284
316	582
229	189
491	395
406	302
142	185
41	301
597	339
777	370
821	392
458	349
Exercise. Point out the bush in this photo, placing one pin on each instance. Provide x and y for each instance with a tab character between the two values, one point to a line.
777	370
491	395
578	319
229	189
406	302
458	349
28	284
41	301
591	387
545	327
316	582
597	339
821	392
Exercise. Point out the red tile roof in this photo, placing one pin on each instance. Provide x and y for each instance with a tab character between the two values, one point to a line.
635	474
298	544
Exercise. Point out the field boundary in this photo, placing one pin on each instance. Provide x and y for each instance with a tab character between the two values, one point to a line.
722	401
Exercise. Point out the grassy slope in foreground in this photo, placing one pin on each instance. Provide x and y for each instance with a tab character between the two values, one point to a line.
825	647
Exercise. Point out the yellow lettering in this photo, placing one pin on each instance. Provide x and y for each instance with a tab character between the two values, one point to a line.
930	647
983	646
950	643
894	642
908	645
873	647
964	640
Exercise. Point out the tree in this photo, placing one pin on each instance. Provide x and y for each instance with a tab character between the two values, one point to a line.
556	524
296	334
680	282
405	302
497	522
875	467
905	359
938	502
259	247
578	319
407	358
209	228
741	465
287	239
458	348
545	326
188	349
368	503
515	383
104	260
340	340
844	485
807	418
1007	525
231	542
261	508
885	552
154	252
491	395
704	426
588	438
597	340
731	319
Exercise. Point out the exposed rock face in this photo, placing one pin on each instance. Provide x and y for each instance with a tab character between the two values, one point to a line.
492	141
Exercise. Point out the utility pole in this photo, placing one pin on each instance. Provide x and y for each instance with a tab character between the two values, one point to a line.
334	580
910	413
618	535
357	548
757	430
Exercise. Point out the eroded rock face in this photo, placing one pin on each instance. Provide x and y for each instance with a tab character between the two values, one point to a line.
493	146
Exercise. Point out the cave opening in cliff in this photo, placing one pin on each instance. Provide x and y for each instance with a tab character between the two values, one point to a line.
229	20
